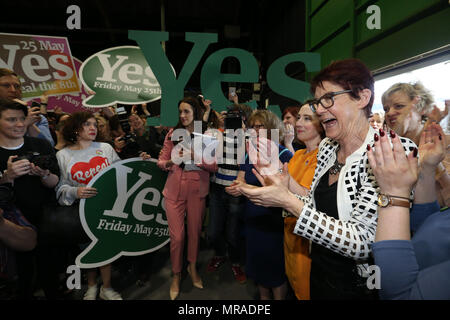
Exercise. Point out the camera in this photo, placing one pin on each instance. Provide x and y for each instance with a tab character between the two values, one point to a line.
132	148
233	120
43	161
123	119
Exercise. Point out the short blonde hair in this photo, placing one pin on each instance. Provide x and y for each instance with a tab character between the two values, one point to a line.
412	90
269	120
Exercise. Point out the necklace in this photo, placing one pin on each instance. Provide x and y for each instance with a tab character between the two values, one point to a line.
336	168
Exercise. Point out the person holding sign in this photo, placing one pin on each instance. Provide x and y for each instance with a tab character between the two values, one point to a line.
79	162
185	191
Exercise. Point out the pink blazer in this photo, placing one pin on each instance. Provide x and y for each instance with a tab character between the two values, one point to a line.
197	179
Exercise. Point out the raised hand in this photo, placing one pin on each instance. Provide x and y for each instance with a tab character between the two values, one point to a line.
289	134
395	173
432	146
264	155
34	115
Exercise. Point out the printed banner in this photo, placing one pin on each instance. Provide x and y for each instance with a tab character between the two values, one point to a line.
43	63
71	102
127	216
119	75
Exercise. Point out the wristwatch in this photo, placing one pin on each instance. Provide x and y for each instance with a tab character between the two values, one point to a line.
386	200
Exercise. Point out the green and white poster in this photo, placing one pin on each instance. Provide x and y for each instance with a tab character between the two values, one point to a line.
127	217
119	75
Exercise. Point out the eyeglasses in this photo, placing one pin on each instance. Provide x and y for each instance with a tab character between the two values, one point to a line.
258	126
7	85
327	100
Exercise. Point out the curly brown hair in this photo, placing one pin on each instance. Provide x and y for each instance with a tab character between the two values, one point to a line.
74	125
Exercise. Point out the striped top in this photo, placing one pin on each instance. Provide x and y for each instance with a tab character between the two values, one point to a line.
228	165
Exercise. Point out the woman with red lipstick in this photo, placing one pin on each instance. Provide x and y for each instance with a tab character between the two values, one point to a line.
339	215
406	106
301	169
185	191
79	162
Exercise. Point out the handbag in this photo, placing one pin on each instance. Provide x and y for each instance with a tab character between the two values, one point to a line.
61	224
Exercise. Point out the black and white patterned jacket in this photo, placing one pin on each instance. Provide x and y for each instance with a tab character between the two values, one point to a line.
354	231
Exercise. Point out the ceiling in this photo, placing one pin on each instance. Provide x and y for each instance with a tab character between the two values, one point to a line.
106	23
267	28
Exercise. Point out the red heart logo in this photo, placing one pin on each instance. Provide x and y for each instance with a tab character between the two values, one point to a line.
83	172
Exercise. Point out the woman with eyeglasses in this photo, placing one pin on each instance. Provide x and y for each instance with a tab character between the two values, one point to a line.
263	226
339	215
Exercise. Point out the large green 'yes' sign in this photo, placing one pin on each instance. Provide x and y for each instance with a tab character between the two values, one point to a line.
127	216
172	87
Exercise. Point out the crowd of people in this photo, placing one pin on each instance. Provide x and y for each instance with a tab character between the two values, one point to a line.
346	189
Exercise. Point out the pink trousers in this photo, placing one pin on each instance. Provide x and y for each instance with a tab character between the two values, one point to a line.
193	206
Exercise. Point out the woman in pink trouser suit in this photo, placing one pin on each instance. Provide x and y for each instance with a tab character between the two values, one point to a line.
184	192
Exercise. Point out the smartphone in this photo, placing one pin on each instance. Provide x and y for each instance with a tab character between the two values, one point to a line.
232	91
35	104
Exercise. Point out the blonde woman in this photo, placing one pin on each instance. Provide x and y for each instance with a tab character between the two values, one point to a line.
407	106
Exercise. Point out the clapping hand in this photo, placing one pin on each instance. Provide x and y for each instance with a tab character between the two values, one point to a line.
274	188
432	146
264	155
395	173
233	189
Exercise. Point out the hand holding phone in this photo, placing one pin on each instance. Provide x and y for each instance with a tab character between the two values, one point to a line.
232	96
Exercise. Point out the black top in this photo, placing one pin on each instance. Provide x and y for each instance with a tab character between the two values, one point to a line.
325	197
334	276
150	142
29	192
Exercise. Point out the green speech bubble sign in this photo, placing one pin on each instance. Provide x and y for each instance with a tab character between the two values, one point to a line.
127	216
119	75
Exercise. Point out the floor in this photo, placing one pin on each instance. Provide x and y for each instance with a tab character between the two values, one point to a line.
218	285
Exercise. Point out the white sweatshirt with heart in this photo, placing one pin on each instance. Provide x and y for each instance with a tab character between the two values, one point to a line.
78	167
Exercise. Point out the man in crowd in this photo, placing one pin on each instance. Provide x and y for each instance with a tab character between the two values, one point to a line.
224	229
29	166
36	123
